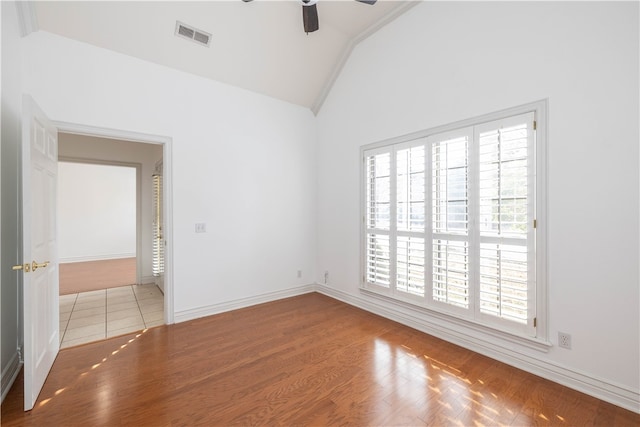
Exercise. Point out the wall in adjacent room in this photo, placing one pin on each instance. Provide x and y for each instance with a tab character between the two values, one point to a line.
96	211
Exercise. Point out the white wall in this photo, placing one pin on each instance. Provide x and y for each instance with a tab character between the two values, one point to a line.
110	150
242	163
10	281
448	61
96	211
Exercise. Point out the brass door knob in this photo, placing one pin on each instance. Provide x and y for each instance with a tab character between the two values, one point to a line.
35	265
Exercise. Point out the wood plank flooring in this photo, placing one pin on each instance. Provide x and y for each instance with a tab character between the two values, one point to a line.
307	361
88	276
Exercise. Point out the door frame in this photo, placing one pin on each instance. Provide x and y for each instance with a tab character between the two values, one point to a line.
166	142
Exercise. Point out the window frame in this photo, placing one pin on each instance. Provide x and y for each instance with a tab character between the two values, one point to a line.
537	328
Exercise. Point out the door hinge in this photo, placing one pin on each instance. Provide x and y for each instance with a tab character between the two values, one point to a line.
535	322
535	223
535	125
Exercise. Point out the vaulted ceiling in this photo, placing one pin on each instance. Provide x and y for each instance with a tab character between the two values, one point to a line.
260	45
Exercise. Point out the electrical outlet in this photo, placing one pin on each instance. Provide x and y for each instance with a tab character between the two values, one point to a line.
326	276
564	340
299	274
201	227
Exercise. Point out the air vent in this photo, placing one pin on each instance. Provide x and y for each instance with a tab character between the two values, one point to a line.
193	34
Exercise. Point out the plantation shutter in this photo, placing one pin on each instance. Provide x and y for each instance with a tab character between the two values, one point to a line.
506	212
157	266
450	218
378	216
410	220
449	221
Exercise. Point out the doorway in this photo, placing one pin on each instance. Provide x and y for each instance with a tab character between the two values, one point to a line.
104	146
99	203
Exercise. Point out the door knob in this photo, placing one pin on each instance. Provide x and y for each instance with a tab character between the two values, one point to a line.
35	265
25	267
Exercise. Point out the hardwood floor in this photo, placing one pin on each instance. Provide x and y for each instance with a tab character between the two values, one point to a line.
89	276
307	360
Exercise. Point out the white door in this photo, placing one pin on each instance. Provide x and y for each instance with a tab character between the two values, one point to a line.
40	268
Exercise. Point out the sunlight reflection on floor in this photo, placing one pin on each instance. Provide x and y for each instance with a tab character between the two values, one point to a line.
93	367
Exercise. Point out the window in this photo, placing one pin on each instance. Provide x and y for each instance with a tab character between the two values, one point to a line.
450	220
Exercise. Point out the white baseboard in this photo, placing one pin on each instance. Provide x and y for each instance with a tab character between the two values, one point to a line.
195	313
67	260
602	389
147	279
9	375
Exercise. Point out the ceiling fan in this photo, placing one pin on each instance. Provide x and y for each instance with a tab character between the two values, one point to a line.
310	13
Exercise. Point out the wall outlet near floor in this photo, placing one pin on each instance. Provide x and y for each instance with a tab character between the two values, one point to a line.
201	227
326	276
564	340
299	274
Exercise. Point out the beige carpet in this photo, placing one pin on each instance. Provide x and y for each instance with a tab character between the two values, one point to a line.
93	275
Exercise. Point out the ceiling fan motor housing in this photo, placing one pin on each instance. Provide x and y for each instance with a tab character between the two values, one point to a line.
310	18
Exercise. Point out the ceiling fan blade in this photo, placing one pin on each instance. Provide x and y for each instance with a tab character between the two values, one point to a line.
361	1
310	18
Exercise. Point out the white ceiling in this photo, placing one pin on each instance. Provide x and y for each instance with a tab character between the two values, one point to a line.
260	46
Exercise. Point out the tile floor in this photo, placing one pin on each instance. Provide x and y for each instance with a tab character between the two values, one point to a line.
96	315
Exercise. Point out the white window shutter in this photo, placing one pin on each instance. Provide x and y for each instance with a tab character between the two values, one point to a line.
505	206
448	220
157	266
378	219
